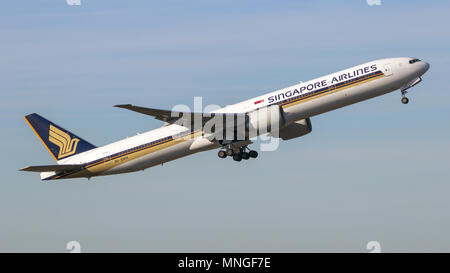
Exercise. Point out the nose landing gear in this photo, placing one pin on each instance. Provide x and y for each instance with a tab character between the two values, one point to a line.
403	89
405	100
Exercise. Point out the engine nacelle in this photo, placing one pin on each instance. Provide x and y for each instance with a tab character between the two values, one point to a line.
264	120
296	129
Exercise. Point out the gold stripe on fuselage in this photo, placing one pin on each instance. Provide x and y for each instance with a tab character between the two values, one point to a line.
108	163
329	91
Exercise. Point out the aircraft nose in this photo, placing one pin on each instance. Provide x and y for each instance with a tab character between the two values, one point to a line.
423	67
426	67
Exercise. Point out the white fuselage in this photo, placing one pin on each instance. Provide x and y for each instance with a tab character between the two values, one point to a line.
299	101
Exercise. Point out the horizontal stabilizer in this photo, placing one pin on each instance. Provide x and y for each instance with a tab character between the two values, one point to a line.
52	168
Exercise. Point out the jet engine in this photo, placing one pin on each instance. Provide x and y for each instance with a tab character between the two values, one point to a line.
264	120
296	129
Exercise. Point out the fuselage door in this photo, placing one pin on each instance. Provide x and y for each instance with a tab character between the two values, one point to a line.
387	70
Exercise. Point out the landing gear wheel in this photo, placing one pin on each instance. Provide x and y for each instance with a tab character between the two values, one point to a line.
237	157
405	100
245	155
222	154
229	152
253	154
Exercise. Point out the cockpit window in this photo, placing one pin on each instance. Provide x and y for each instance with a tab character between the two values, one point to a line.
414	61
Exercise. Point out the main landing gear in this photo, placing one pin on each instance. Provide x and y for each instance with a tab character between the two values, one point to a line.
239	154
405	100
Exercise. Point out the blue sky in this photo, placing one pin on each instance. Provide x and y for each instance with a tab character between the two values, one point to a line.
377	170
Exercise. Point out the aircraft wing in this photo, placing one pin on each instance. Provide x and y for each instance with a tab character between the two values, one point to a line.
51	168
175	116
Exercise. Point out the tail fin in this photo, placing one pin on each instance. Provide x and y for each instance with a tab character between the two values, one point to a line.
58	141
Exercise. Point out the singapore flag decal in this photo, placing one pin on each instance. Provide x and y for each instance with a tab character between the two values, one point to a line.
259	101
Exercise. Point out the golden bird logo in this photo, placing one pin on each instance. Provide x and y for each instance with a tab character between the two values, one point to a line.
67	145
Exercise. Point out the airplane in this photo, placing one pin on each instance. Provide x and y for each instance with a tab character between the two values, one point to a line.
284	114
